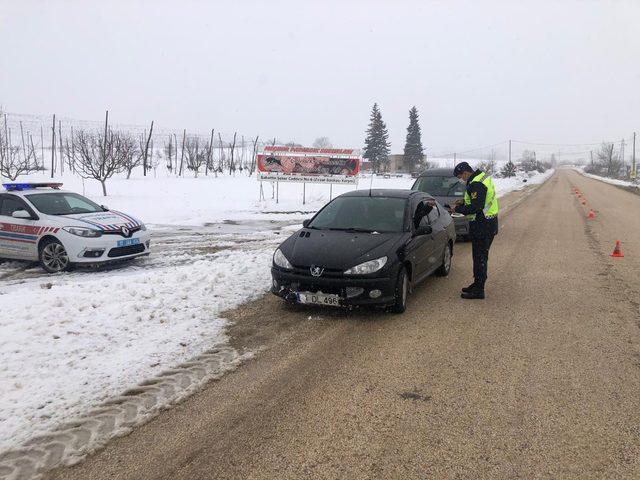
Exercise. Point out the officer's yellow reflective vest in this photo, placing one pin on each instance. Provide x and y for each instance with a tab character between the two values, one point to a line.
490	201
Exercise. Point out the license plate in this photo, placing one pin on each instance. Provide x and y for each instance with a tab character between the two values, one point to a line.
128	242
319	299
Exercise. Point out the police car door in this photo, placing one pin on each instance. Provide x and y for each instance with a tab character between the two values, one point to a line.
18	236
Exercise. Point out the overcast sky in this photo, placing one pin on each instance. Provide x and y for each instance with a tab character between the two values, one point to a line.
479	72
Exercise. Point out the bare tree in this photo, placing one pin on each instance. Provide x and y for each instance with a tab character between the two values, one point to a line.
101	155
322	142
131	152
607	162
196	155
232	147
169	150
15	161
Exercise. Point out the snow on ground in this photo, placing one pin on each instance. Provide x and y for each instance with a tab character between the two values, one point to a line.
69	344
612	181
69	341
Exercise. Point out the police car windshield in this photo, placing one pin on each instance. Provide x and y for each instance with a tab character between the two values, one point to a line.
62	203
440	186
362	214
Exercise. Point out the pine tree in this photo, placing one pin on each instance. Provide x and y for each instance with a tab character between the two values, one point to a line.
509	170
413	151
376	144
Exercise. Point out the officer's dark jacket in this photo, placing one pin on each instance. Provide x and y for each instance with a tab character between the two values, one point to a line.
477	193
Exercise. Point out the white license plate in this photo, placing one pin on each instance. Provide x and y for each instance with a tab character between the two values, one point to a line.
319	299
128	242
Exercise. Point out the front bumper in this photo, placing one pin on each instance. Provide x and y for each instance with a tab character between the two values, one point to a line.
352	291
105	249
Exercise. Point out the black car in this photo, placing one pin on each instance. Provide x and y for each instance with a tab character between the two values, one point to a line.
446	189
366	247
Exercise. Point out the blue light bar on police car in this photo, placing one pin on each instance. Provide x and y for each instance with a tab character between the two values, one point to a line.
12	187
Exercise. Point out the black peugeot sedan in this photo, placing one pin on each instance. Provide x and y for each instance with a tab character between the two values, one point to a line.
366	247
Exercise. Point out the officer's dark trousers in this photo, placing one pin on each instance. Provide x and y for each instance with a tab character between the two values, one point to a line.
481	233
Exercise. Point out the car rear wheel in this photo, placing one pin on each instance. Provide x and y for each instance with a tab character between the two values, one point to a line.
53	256
445	268
402	291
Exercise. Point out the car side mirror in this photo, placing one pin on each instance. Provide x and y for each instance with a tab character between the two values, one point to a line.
424	230
21	214
105	208
306	223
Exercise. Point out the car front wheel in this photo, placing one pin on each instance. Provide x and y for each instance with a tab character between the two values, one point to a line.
402	291
53	256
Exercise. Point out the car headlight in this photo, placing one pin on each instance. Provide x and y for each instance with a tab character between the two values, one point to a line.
281	261
83	232
367	267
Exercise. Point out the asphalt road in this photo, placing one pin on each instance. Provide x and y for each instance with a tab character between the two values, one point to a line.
540	380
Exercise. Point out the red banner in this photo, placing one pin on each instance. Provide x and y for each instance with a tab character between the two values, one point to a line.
325	165
329	151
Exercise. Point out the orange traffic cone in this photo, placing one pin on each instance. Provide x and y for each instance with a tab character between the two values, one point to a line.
591	214
583	201
617	251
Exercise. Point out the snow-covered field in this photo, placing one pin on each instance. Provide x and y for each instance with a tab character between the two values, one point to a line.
70	341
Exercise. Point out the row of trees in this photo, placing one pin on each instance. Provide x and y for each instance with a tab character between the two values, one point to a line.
101	153
376	143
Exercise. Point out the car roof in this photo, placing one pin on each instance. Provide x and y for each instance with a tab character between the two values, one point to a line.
437	172
384	192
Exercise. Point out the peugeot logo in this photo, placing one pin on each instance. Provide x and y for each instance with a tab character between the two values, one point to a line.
316	271
125	231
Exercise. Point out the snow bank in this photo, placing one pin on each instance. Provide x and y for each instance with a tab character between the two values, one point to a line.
69	342
612	181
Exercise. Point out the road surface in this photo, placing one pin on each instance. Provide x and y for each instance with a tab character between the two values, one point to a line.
542	379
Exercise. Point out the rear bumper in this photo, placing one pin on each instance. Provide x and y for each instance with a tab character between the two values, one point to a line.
462	225
352	291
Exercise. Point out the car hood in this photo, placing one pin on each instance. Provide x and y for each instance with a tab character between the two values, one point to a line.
104	221
338	250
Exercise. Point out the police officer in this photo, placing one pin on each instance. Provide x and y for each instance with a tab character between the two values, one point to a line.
481	209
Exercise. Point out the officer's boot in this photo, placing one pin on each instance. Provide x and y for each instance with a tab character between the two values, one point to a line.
469	288
476	293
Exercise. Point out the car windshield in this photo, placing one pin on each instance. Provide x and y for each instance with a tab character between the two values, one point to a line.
366	214
62	203
440	186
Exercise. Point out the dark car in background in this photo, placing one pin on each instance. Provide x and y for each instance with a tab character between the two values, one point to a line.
366	247
446	189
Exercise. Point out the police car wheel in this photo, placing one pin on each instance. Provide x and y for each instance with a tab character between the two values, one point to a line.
445	268
402	291
54	257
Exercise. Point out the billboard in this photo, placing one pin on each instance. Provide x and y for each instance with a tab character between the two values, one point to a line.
308	165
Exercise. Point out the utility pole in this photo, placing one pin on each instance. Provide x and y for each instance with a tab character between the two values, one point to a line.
509	151
633	158
53	145
622	150
454	160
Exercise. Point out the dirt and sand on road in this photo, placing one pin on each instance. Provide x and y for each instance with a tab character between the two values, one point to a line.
542	379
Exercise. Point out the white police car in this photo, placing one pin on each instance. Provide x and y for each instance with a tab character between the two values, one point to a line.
38	221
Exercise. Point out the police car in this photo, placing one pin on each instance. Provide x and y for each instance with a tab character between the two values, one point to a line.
38	221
